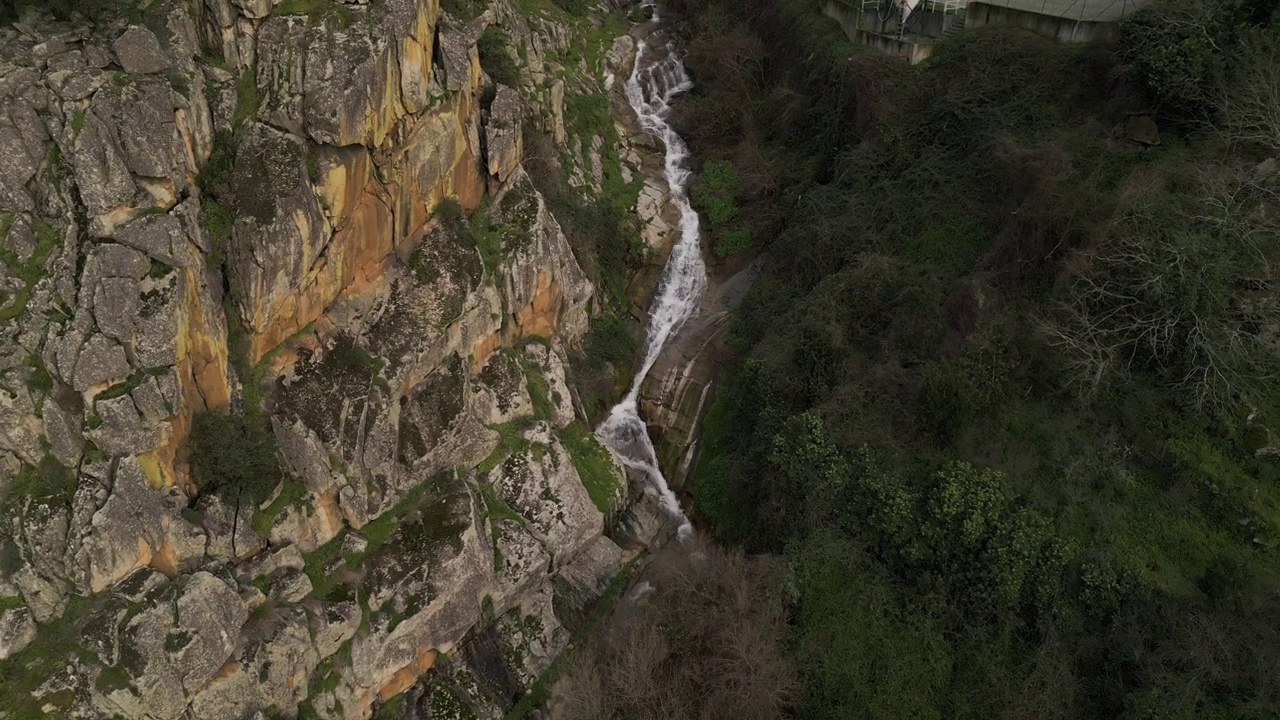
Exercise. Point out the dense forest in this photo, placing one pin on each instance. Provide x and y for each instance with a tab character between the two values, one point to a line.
1004	400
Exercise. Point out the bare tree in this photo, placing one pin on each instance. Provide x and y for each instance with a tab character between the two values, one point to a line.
705	643
1166	290
1250	101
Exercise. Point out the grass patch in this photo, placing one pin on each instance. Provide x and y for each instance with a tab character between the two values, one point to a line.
24	672
291	494
511	441
30	272
49	482
594	464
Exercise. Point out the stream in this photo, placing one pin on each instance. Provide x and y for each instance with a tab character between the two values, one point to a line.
657	78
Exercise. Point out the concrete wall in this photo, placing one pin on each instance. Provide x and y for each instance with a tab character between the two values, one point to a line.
851	19
912	52
980	14
865	28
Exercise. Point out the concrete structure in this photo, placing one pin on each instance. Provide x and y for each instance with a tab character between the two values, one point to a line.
910	28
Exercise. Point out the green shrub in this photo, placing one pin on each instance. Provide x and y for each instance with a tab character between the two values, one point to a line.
715	194
234	456
610	340
733	242
495	57
48	482
464	10
575	7
448	211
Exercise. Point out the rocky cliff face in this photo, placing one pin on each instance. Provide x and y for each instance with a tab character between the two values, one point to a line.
216	206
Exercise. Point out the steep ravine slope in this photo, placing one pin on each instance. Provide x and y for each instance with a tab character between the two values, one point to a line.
230	205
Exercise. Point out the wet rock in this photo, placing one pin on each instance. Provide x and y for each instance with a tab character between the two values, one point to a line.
595	566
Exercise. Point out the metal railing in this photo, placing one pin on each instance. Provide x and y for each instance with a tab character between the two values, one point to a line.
946	7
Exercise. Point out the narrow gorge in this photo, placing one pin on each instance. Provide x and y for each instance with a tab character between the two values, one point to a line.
308	310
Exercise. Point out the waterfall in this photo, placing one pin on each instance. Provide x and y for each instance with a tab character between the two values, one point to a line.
650	90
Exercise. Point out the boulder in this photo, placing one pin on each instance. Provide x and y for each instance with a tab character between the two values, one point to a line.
101	361
17	630
138	51
503	137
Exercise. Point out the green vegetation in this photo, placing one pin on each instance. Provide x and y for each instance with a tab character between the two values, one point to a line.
539	390
336	15
594	464
494	47
424	506
48	482
611	340
1001	394
30	272
292	494
234	456
94	11
464	10
77	124
511	440
733	242
57	643
493	239
130	384
39	380
715	194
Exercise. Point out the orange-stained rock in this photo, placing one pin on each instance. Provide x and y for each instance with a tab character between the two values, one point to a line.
407	675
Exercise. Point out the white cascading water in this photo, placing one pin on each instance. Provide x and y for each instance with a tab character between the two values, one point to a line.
650	90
